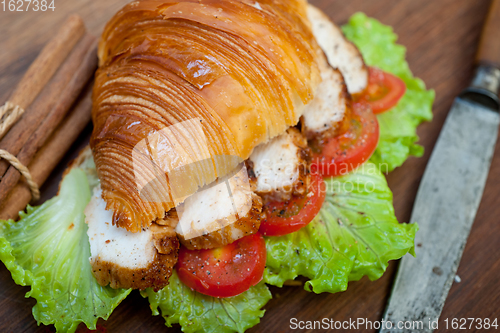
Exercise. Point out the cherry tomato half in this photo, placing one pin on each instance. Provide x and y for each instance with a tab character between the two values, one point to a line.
341	154
226	271
384	90
286	217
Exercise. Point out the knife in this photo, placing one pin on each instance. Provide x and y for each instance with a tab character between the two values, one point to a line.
449	194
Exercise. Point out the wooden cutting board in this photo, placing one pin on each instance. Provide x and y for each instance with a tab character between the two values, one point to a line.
441	38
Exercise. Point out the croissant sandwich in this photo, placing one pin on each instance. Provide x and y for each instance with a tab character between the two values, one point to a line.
191	95
236	145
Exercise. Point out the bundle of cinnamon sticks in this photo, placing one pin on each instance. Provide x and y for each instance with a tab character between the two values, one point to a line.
55	95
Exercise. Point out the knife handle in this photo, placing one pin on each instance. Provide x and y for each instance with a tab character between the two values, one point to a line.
489	45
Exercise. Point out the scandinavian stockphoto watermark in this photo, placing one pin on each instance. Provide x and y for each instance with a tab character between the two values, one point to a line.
363	324
344	168
179	158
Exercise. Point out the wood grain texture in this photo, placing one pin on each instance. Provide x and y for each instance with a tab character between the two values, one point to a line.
441	38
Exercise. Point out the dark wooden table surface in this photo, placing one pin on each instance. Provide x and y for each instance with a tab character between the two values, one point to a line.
441	37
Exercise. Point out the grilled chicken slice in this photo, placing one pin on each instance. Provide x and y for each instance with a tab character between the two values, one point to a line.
281	165
331	103
220	213
229	209
124	259
341	53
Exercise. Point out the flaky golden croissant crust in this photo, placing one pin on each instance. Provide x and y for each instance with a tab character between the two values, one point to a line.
200	81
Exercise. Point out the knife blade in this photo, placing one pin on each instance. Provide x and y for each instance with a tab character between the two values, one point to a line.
449	195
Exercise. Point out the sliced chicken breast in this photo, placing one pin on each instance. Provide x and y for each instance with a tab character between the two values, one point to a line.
229	209
124	259
220	213
341	53
280	166
324	113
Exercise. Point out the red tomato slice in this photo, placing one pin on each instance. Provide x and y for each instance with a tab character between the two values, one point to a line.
384	90
226	271
291	215
341	154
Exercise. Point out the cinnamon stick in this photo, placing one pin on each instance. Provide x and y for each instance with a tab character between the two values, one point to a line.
48	61
47	126
49	155
47	100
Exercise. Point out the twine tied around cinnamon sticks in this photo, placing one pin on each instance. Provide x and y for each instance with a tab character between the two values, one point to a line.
9	114
35	191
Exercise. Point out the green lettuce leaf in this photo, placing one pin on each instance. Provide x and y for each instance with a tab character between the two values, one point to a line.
398	135
355	234
49	250
196	312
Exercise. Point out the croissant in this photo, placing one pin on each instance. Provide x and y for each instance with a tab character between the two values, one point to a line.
197	85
